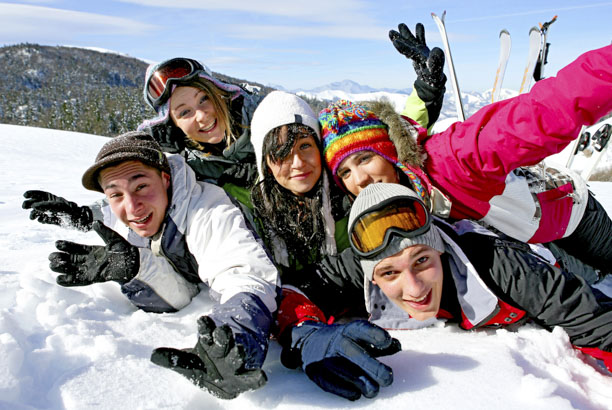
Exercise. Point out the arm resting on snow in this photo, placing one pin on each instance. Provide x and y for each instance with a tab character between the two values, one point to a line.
552	297
250	321
231	257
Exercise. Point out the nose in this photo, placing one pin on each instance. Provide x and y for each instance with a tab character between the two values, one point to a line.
362	179
296	160
412	285
132	205
200	115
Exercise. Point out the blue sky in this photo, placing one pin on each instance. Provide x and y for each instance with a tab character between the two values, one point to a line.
308	44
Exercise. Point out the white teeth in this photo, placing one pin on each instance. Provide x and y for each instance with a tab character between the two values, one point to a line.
210	127
420	300
142	220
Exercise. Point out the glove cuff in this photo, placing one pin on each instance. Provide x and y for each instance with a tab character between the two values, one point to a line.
294	309
293	340
429	92
86	219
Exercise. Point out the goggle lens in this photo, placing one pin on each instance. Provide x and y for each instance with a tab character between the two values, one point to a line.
175	69
370	232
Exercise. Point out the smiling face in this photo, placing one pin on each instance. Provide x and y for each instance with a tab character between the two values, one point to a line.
412	279
300	170
137	195
363	168
194	113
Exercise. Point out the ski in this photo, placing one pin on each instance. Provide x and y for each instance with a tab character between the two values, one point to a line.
600	141
451	67
535	45
538	72
580	144
505	43
590	145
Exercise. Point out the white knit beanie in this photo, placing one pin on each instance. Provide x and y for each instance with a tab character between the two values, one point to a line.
282	108
276	109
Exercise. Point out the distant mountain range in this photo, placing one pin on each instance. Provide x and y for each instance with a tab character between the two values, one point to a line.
352	87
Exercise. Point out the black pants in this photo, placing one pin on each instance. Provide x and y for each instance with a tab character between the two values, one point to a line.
591	242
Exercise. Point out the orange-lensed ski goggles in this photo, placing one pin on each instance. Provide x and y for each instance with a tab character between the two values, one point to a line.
371	231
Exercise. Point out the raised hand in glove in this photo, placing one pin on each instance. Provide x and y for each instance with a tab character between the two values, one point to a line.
50	209
428	65
216	363
81	265
341	359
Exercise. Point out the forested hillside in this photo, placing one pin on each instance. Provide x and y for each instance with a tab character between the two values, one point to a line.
75	89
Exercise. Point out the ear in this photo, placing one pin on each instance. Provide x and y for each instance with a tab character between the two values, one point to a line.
166	178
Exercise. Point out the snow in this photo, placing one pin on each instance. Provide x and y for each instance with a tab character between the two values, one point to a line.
88	347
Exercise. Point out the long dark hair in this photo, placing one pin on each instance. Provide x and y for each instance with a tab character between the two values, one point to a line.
297	220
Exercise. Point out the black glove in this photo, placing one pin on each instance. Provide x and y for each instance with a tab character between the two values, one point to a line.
428	65
50	209
340	359
169	137
216	363
82	265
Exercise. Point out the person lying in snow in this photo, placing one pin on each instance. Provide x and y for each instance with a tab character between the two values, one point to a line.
419	269
165	235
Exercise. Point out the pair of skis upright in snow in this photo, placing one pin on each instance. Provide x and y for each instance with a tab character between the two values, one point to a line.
536	59
595	139
538	54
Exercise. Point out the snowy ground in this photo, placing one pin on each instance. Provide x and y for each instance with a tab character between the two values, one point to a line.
79	348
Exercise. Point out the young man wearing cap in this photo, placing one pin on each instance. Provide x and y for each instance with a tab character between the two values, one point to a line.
418	270
165	233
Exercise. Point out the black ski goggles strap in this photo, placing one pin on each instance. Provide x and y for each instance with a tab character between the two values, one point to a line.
159	83
371	231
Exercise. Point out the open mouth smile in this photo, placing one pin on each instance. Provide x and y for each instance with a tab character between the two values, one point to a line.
210	127
422	302
142	220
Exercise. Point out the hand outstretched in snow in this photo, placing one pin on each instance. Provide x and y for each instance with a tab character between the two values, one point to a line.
51	209
216	363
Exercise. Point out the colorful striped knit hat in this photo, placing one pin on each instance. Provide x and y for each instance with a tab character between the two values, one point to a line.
347	128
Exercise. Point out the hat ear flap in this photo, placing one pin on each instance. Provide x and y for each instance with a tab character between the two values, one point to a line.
401	133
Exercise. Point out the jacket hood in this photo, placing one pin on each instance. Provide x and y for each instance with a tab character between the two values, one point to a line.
163	111
184	187
477	301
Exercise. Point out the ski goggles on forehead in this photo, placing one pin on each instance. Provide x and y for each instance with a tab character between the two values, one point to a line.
372	231
161	79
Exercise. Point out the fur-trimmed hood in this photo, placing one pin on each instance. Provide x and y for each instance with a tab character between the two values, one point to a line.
403	133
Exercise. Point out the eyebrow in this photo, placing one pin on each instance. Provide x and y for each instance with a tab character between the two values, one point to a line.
181	104
131	179
421	249
356	155
382	268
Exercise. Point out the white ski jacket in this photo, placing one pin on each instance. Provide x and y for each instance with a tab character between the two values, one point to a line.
205	239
